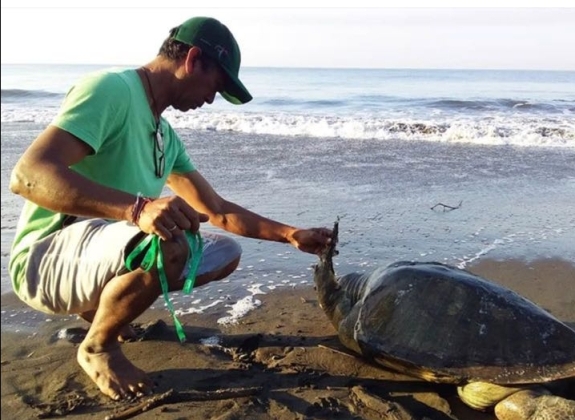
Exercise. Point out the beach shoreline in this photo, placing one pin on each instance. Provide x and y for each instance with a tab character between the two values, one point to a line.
285	351
472	168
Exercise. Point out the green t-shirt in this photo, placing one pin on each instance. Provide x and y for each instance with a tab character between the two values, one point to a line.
109	111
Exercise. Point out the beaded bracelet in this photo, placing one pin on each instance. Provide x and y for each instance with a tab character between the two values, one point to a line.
138	206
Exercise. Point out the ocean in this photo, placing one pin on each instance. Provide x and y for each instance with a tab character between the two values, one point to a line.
445	165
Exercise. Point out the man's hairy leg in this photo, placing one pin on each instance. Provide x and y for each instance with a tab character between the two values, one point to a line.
127	333
123	299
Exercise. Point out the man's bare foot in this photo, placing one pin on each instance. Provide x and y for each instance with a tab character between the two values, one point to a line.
112	372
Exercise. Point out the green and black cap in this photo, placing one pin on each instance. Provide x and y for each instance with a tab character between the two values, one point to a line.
216	41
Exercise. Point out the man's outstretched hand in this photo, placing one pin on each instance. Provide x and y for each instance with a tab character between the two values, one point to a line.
312	240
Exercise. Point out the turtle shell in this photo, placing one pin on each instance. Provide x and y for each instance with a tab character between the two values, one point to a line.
446	324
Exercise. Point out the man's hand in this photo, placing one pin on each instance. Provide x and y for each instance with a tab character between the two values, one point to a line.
312	240
168	216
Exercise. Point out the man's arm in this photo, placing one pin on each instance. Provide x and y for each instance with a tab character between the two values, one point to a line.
200	195
43	176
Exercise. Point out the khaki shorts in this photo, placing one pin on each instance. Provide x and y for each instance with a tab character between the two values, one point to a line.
67	270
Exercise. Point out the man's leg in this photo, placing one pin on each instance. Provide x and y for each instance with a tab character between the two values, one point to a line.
80	270
127	333
221	257
123	299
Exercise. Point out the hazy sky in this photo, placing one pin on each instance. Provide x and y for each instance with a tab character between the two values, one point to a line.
300	36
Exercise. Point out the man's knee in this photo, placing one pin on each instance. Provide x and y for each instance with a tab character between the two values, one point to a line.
228	269
220	257
175	254
221	254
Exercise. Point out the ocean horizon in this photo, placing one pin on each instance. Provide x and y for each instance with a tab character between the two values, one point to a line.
500	107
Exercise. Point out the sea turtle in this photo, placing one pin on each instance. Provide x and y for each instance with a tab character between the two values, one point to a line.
446	325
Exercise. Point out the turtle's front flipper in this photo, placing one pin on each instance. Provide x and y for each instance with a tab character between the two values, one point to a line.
535	404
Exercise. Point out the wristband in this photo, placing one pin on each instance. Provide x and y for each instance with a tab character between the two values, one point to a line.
138	206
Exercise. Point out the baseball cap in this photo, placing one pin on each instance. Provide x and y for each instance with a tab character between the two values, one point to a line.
216	41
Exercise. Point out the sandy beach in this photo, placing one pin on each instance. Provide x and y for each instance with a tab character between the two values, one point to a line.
474	169
281	361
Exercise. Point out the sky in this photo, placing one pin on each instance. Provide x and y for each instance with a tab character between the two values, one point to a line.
440	35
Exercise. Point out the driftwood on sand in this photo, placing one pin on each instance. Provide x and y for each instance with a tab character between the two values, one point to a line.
172	397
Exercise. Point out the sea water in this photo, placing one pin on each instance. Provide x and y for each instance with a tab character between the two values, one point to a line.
445	165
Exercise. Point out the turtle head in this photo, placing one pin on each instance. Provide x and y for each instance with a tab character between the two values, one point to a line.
330	293
326	257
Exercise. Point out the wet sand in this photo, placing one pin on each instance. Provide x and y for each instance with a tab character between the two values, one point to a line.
281	361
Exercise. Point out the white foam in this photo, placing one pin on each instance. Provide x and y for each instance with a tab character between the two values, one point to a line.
199	310
239	310
213	341
255	289
484	251
556	131
503	130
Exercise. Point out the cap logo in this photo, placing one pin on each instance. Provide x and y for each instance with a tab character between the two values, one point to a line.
221	51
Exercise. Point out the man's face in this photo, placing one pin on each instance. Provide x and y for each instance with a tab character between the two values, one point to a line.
201	86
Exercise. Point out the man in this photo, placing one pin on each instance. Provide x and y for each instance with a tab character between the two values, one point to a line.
92	182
